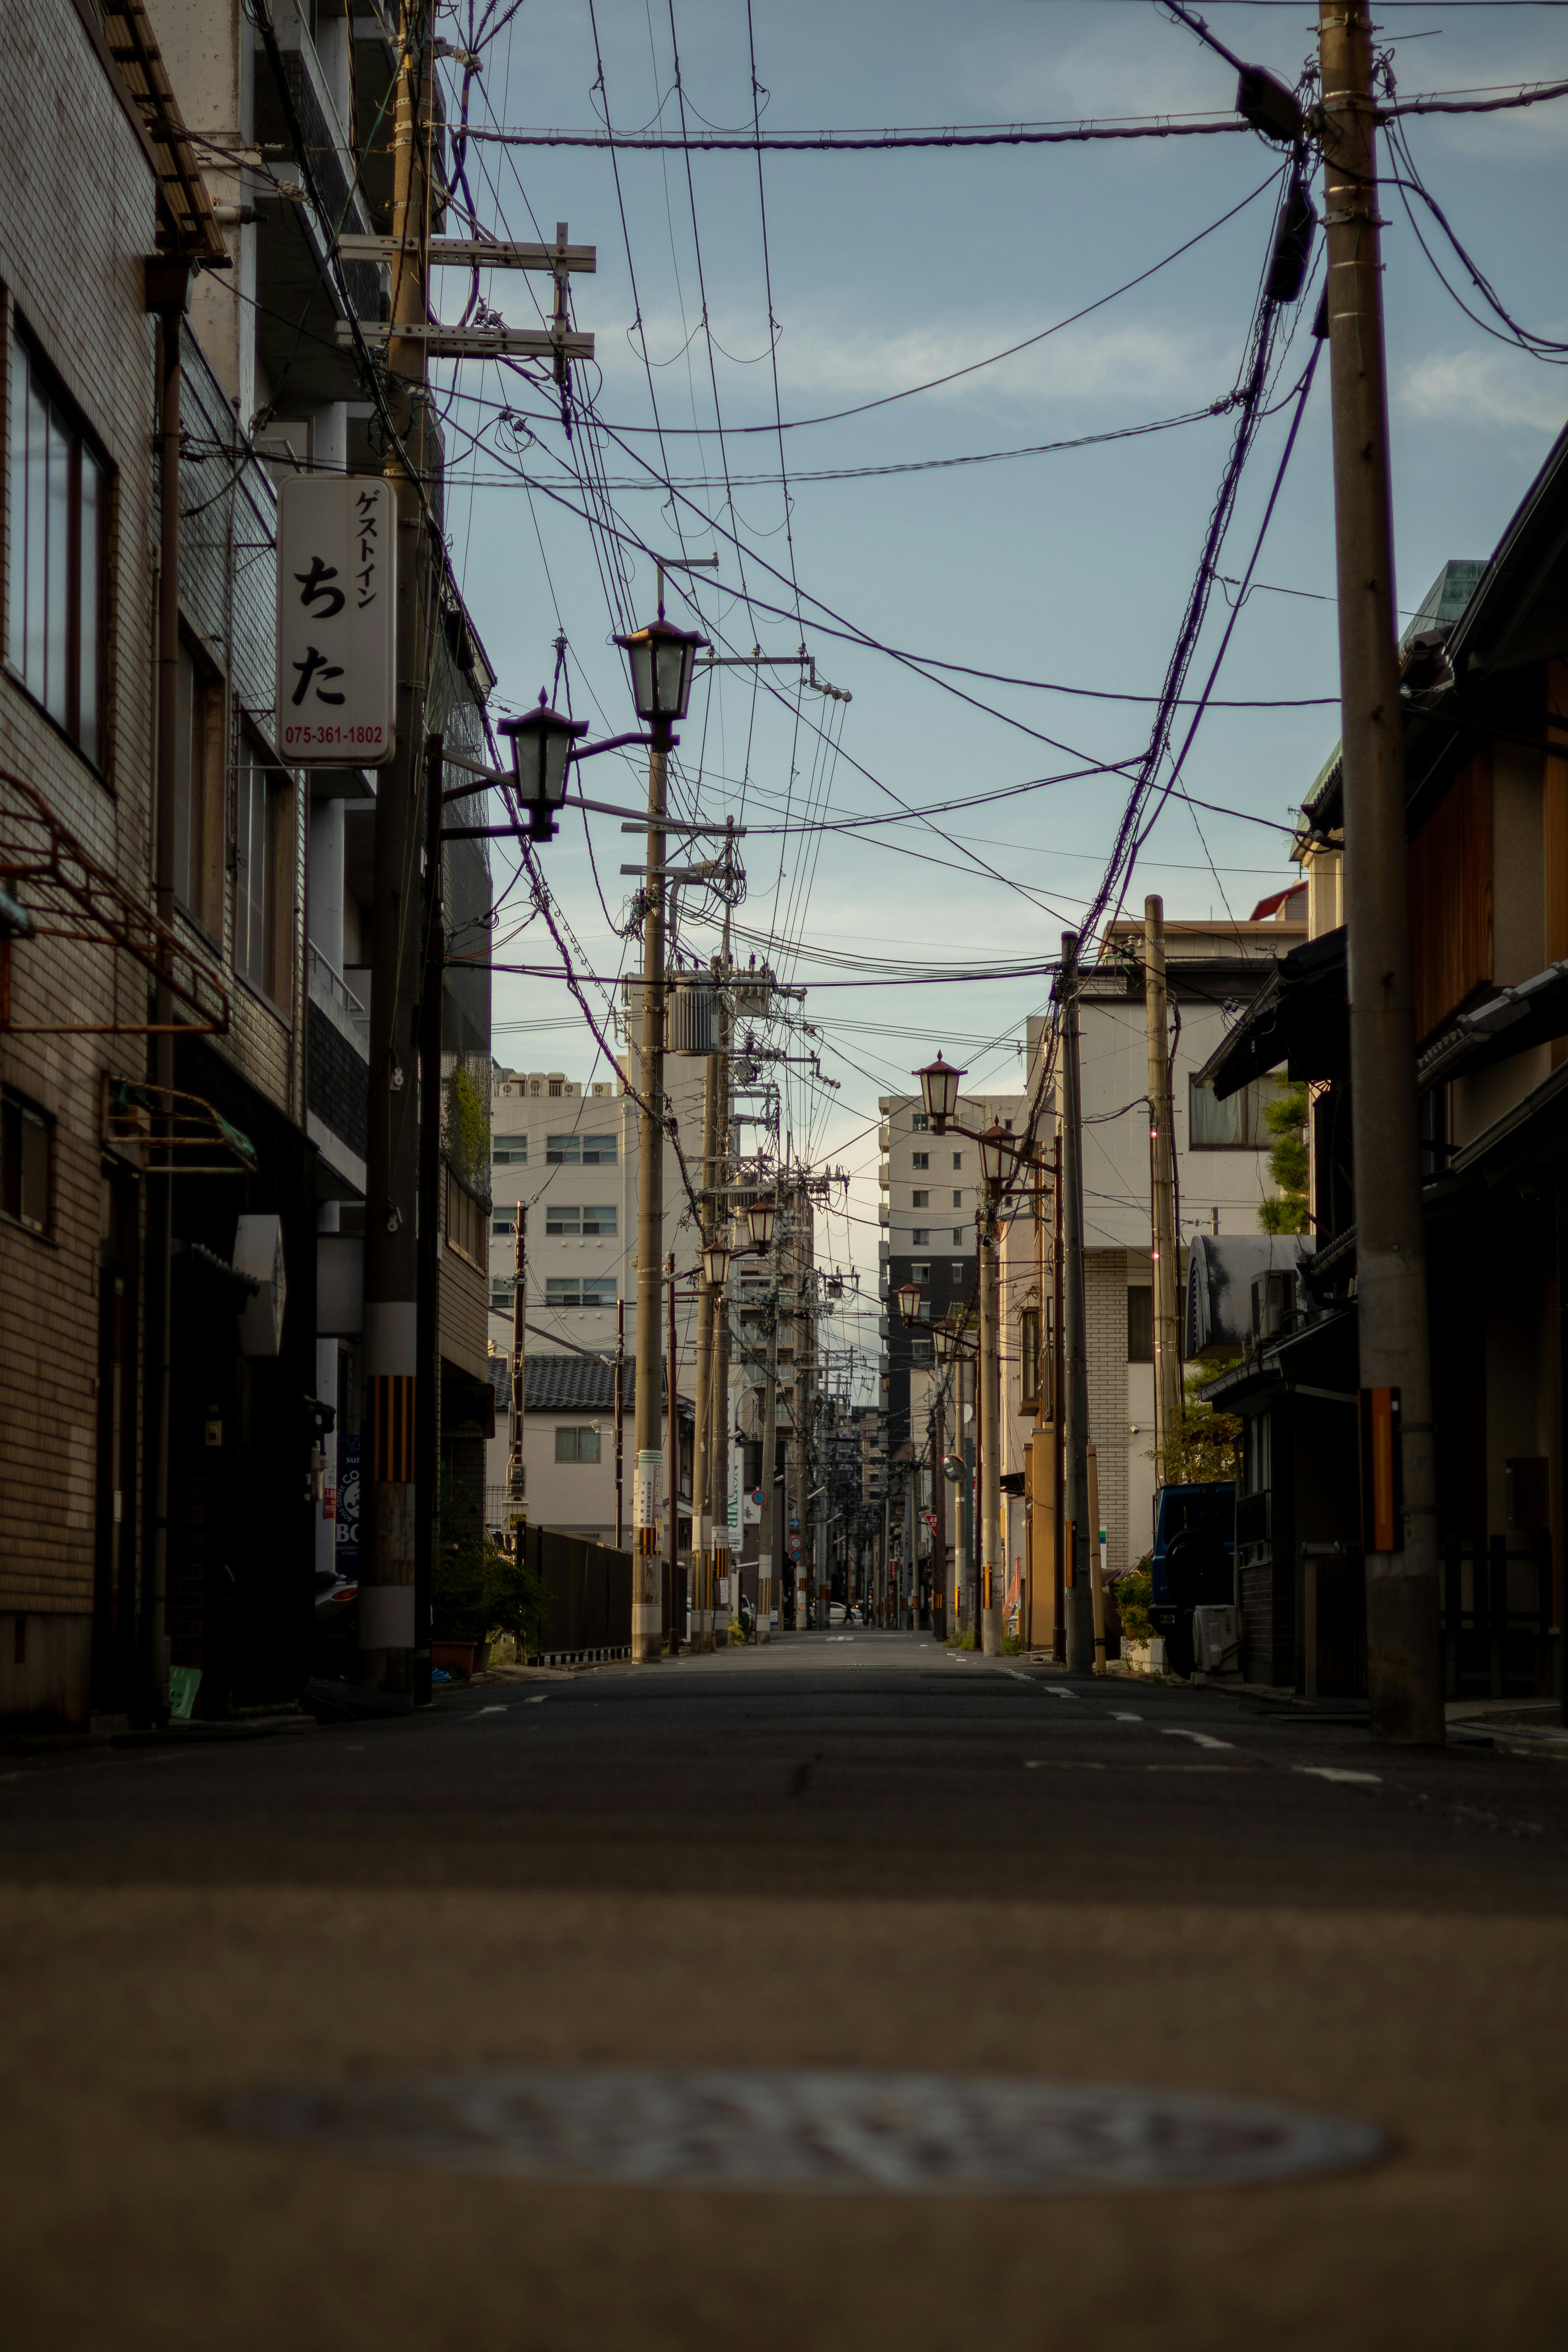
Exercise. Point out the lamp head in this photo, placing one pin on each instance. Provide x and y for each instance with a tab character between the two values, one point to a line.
910	1297
997	1156
939	1092
541	745
760	1218
716	1256
661	659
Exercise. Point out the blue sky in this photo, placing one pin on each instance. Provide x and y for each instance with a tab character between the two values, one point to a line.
889	269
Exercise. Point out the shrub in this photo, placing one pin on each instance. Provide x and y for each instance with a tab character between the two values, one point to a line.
1133	1593
475	1589
1286	1116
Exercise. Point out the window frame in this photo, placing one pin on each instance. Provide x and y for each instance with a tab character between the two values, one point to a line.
26	360
20	1112
203	904
578	1431
278	821
600	1157
1251	1100
1141	1291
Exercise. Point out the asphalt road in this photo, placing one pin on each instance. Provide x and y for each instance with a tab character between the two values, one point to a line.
857	1850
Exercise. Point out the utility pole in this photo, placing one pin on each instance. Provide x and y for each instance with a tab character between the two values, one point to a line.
1404	1679
620	1417
767	1532
428	1389
800	1417
1079	1607
647	1599
516	1479
388	1541
989	1388
1058	1406
939	1513
702	1401
1162	1187
671	1581
969	1607
726	1558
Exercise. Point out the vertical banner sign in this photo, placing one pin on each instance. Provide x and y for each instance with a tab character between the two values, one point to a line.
646	1498
337	565
737	1487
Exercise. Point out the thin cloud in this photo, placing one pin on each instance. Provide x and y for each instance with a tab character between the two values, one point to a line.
1494	390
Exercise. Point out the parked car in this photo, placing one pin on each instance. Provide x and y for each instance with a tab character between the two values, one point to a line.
337	1624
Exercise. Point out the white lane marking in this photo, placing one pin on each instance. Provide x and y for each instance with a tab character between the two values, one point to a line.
1125	1719
1057	1694
1017	1674
1062	1764
1340	1772
537	1702
1202	1738
484	1710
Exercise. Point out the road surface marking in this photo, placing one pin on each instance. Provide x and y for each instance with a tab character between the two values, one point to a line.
537	1702
1062	1764
1202	1738
1117	1717
1340	1772
1058	1694
1017	1674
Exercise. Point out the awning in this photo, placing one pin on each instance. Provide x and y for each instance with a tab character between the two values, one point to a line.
1299	1017
1510	1023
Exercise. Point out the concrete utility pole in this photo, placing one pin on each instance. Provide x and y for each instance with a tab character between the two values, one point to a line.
1405	1678
989	1395
620	1418
671	1581
1079	1600
939	1513
800	1417
1161	1184
427	1379
387	1595
1058	1393
646	1602
968	1436
725	1563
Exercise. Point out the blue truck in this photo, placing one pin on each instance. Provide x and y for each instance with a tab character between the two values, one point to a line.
1194	1562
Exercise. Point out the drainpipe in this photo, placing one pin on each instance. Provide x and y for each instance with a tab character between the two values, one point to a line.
167	286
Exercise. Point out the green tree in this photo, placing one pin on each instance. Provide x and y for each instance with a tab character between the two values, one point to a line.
1286	1118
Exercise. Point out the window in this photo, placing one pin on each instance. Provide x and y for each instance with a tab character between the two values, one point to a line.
957	1198
27	1148
465	1221
599	1151
565	1222
507	1225
264	800
1006	1127
1029	1359
958	1236
600	1221
512	1153
958	1159
556	1086
58	514
1139	1324
921	1352
922	1199
920	1274
564	1151
922	1159
198	793
589	1290
919	1123
577	1445
921	1237
1236	1124
501	1289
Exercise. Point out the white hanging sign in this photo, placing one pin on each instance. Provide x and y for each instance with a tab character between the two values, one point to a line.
337	576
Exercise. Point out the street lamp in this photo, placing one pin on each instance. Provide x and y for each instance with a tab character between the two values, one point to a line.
541	745
760	1218
716	1256
661	659
911	1299
939	1092
998	1156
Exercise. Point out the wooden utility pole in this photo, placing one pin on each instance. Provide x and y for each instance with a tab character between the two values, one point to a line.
1058	1407
768	1531
620	1419
671	1581
1161	1188
1079	1609
988	1388
427	1379
646	1602
1404	1680
1096	1575
939	1513
726	1562
516	1477
388	1542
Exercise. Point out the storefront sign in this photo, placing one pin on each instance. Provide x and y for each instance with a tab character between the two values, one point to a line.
337	566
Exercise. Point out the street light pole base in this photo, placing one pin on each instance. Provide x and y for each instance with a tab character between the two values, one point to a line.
991	1633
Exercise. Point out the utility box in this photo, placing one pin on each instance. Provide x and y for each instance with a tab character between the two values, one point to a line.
1217	1638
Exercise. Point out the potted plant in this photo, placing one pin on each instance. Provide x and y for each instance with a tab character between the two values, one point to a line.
476	1590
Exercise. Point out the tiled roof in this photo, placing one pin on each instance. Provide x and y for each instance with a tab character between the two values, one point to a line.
564	1383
